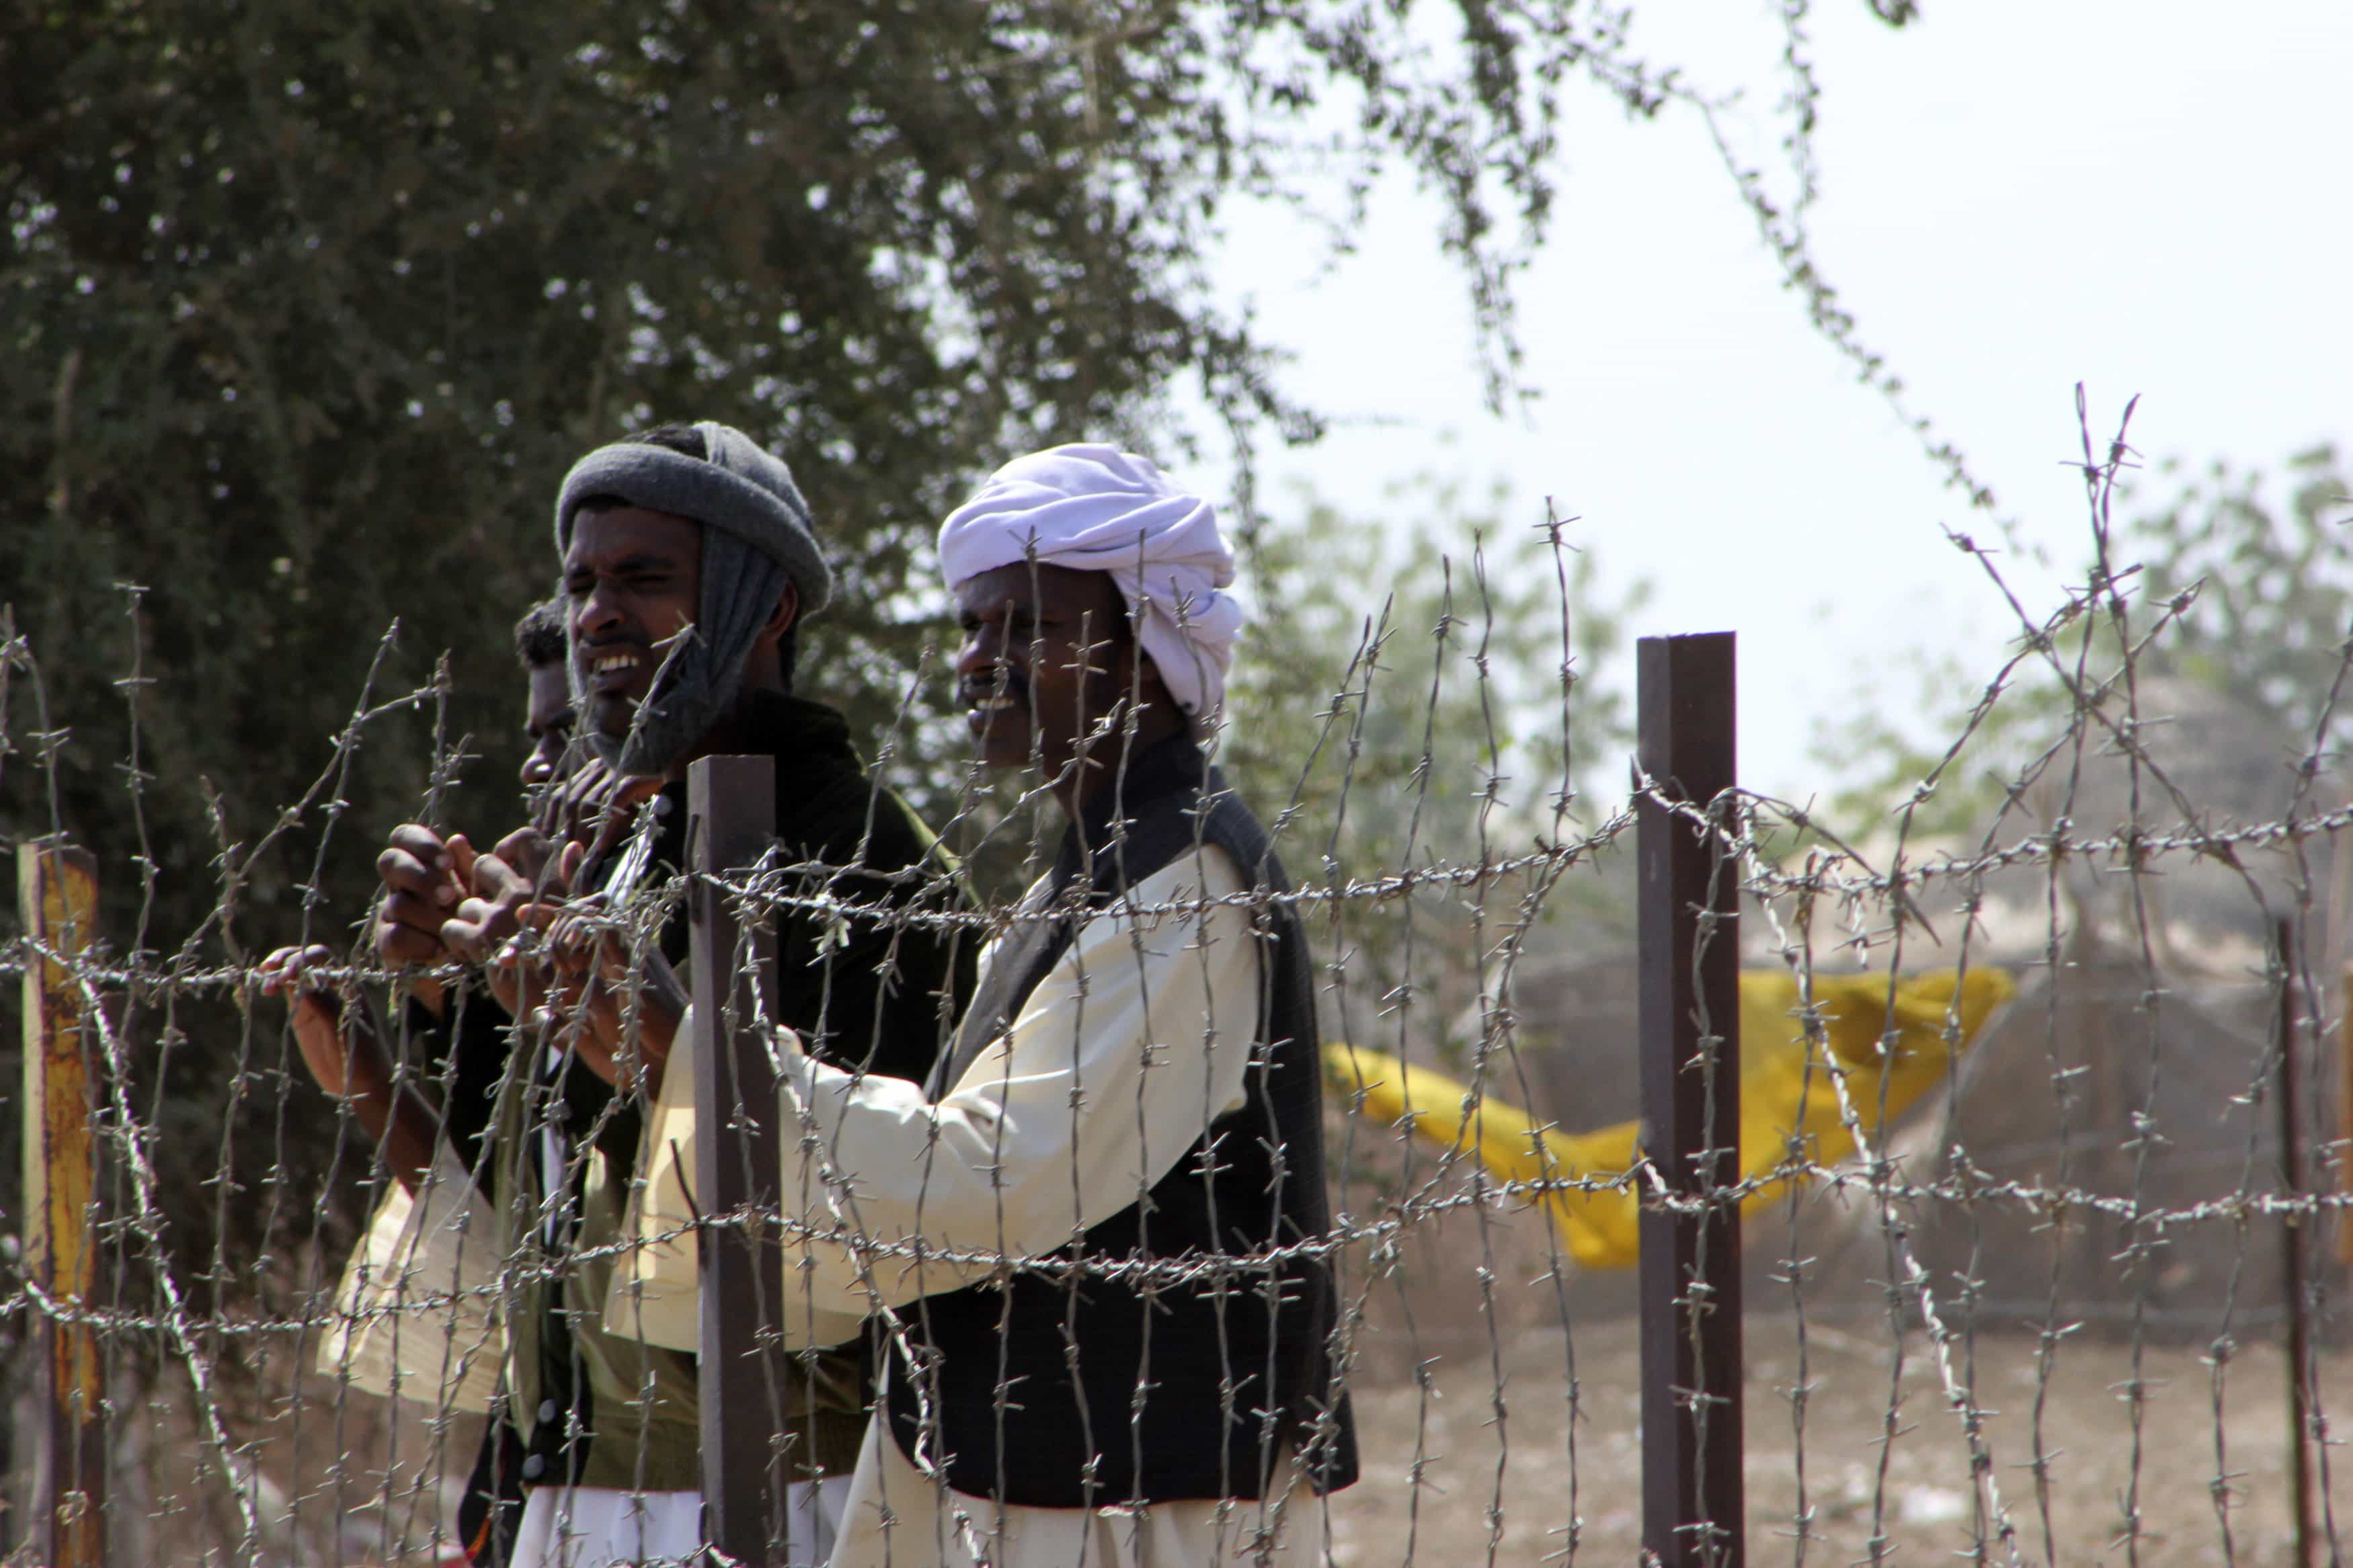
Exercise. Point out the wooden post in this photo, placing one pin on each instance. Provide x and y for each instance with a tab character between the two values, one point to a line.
2299	1350
56	896
2343	1145
731	822
1688	921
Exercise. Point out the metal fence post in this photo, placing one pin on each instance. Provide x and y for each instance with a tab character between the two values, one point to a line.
731	821
57	894
1688	915
2344	1143
2291	1154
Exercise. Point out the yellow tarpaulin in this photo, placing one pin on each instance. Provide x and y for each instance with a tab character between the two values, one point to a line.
1775	1096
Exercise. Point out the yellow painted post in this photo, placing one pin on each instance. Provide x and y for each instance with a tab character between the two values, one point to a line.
2345	1120
57	893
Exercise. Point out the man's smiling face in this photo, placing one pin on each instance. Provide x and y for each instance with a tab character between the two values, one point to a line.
1047	654
633	579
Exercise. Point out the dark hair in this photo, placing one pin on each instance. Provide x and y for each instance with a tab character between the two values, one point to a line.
539	636
687	442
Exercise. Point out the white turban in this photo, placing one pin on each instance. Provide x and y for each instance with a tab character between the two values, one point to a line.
1097	509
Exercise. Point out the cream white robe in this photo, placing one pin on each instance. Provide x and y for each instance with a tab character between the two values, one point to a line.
416	1315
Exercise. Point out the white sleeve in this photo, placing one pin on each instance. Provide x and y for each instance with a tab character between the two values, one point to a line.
418	1315
1136	1040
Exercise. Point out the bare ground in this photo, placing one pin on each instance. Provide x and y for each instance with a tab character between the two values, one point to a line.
1504	1490
1450	1482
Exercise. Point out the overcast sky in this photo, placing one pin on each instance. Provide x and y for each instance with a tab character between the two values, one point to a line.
2151	198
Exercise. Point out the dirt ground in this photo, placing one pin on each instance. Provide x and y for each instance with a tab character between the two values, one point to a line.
1504	1490
1447	1482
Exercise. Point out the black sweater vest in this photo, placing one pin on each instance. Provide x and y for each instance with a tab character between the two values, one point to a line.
1124	1389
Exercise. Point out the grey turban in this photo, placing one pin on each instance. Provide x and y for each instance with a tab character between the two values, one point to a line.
756	536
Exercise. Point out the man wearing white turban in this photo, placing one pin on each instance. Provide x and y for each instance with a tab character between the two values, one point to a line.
1097	509
1097	1236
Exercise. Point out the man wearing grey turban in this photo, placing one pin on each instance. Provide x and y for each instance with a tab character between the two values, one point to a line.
690	561
651	502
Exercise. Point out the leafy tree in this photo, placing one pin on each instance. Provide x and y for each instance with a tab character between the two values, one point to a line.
2250	597
2274	613
1432	727
308	307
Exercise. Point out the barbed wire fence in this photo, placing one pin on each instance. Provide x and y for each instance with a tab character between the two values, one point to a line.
1985	1196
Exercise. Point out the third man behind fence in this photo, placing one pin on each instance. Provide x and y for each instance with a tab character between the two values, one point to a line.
1096	1239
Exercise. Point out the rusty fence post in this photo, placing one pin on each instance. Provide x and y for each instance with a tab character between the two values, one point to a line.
1688	921
2344	1142
2292	1232
57	894
738	1166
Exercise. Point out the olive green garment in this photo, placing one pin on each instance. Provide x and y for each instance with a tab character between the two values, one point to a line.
643	1397
865	990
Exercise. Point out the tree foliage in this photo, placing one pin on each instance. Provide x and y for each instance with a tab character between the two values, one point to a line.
307	308
1457	718
2232	588
2272	616
308	305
